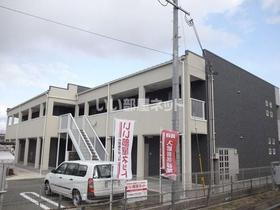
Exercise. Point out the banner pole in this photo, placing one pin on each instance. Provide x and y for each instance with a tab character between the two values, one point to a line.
160	163
111	194
112	172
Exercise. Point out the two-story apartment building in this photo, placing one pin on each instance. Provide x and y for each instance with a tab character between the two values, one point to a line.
45	136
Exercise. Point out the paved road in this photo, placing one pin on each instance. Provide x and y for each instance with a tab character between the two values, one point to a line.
25	194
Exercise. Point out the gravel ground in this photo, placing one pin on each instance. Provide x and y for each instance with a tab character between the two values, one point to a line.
258	201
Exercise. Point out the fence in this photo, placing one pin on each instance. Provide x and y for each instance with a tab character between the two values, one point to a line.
162	193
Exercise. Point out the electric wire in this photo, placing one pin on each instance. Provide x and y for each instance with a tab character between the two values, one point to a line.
183	31
163	3
84	30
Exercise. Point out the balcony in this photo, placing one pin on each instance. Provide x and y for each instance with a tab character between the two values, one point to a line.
151	118
26	129
198	109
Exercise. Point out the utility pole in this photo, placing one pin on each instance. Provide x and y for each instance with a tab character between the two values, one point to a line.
175	80
175	72
175	87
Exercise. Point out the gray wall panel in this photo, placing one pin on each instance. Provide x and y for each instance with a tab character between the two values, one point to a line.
240	111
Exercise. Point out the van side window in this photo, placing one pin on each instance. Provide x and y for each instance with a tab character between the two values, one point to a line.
102	171
61	169
71	169
82	171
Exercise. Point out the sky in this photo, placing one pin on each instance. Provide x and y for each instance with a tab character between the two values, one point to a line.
35	54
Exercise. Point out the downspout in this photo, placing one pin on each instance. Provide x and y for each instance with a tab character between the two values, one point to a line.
19	124
107	117
184	123
44	132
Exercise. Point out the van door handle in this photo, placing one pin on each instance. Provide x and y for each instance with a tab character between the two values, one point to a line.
60	177
71	179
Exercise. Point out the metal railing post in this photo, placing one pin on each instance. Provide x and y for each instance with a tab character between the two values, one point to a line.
59	201
231	187
173	196
160	185
125	199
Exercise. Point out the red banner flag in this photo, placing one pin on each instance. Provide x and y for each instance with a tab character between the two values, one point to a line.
169	139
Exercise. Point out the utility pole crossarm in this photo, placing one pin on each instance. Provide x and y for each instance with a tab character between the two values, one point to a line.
177	7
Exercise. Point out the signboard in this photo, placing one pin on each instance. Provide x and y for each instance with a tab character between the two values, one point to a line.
169	139
137	190
122	150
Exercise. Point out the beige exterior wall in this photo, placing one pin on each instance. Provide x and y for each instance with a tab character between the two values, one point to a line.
147	122
43	126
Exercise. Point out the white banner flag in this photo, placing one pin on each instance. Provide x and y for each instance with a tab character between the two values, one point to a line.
122	149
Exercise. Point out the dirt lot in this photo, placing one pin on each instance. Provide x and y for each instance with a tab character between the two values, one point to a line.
258	201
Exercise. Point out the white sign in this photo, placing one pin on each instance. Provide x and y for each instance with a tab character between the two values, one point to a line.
122	149
138	190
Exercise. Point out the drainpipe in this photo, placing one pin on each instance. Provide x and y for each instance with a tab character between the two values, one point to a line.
44	131
108	116
184	126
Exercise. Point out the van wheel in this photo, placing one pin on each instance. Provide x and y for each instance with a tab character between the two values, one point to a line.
47	189
76	198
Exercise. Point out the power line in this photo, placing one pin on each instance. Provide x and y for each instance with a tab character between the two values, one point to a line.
84	30
183	30
166	3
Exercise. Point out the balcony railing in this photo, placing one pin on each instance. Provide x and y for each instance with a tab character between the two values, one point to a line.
198	109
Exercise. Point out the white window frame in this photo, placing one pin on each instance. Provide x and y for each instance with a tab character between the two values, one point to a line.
266	102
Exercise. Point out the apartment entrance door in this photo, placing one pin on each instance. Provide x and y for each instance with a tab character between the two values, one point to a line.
153	155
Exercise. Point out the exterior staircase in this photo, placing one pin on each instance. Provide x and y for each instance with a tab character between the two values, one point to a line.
90	146
84	138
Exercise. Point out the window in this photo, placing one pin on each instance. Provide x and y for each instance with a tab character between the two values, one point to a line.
274	151
102	171
82	171
16	119
267	113
271	114
72	169
226	152
270	151
10	120
270	104
269	140
266	103
61	169
273	141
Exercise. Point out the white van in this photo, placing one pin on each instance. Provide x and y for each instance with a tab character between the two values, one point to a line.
83	181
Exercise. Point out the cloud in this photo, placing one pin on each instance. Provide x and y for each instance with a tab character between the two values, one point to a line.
15	74
273	20
145	22
273	6
3	117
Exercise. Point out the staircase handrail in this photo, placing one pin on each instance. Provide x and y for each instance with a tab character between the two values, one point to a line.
81	136
105	151
92	147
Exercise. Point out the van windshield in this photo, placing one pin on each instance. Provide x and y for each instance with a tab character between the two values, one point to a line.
102	171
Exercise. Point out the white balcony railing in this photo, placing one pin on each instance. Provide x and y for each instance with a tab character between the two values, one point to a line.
198	109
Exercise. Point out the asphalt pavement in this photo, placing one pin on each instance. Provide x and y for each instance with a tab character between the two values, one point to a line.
28	194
